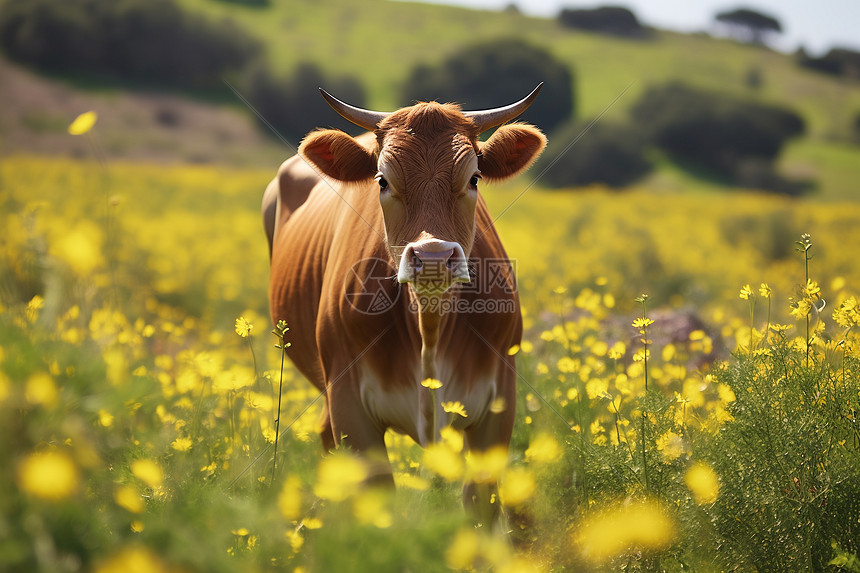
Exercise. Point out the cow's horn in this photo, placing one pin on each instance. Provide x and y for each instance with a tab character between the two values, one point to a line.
365	118
489	118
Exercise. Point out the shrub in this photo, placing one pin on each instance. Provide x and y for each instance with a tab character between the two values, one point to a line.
611	20
838	62
142	40
608	154
712	130
294	106
786	459
497	73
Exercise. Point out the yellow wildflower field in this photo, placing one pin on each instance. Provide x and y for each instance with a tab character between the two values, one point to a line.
687	388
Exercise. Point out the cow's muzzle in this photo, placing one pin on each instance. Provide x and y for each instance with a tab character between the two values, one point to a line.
432	266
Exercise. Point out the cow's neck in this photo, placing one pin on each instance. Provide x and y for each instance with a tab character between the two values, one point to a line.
429	324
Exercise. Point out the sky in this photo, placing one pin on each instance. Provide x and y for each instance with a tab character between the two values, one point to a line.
818	25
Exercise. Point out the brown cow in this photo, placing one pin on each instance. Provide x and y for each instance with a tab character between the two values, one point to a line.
351	222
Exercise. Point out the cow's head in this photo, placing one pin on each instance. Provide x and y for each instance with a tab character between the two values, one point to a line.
428	163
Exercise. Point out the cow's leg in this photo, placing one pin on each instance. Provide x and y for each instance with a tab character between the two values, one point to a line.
326	433
354	429
481	500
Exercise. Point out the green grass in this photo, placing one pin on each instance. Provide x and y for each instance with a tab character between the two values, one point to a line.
832	165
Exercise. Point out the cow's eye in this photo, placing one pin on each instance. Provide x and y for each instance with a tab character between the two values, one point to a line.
383	184
473	182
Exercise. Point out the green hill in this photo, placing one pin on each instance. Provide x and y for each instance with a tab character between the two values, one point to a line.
380	42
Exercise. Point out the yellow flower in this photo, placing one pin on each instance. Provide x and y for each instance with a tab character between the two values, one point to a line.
617	351
441	459
455	407
642	322
296	541
463	551
641	355
671	445
765	291
181	444
629	527
133	560
49	475
290	498
517	487
105	418
452	438
703	483
431	383
411	481
567	364
81	248
800	309
488	466
498	405
848	313
83	123
339	476
127	498
148	472
373	507
41	390
243	327
812	289
543	449
746	292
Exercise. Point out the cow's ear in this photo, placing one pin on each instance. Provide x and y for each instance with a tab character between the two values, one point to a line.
337	155
510	150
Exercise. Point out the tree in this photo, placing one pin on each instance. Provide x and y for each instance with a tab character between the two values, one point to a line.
838	62
749	26
293	106
497	73
140	40
611	20
730	137
609	154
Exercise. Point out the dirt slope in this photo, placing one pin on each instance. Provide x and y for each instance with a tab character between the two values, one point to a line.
36	111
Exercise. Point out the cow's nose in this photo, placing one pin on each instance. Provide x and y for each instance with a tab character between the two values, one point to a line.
428	261
433	264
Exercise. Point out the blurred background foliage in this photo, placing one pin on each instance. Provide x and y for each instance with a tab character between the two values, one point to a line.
726	111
